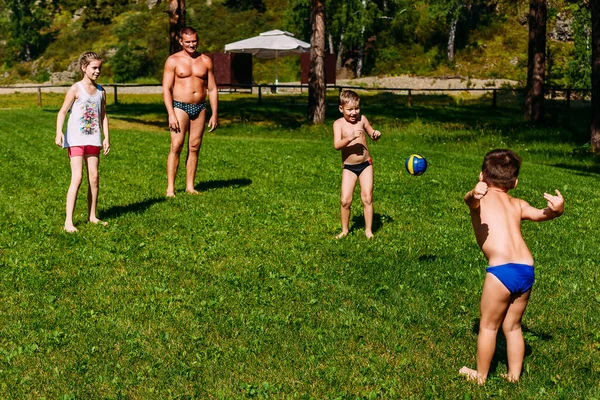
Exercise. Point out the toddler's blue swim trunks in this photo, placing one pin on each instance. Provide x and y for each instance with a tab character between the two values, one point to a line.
518	278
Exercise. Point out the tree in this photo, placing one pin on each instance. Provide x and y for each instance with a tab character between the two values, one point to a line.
24	27
536	64
595	139
316	73
176	22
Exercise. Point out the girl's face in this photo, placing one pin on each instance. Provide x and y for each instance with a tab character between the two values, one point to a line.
92	70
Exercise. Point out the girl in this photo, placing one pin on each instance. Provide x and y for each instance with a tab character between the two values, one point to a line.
83	139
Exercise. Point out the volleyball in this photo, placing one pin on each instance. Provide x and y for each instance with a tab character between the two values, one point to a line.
415	164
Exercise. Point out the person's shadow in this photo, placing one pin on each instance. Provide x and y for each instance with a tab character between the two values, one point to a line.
222	183
358	222
139	207
500	356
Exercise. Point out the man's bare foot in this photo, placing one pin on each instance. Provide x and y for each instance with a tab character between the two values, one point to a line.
369	234
193	191
96	221
341	235
510	378
471	375
70	228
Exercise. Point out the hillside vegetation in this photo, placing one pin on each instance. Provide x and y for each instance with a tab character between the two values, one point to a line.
45	37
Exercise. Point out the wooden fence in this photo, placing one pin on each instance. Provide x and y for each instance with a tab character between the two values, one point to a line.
260	89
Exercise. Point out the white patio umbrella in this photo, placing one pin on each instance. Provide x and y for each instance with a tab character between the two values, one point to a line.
271	44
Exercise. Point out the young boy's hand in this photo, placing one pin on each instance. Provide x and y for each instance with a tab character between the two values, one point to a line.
375	135
480	190
556	204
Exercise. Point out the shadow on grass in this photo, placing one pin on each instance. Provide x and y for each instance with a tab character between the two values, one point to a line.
220	184
138	207
500	356
358	222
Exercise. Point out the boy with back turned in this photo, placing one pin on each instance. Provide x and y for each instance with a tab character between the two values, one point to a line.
496	218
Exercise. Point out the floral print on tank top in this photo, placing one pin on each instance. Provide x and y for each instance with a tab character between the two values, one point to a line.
89	118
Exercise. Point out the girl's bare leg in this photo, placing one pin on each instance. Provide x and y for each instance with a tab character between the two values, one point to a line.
92	162
348	183
495	299
366	195
76	173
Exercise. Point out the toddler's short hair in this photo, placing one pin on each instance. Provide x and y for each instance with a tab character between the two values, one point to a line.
501	168
348	97
86	58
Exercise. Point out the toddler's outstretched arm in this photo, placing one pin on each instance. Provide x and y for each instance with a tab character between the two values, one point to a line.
555	208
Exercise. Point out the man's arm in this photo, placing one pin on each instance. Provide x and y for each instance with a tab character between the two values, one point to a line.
213	95
167	88
555	208
473	197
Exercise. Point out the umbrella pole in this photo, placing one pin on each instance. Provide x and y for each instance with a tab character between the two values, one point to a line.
276	70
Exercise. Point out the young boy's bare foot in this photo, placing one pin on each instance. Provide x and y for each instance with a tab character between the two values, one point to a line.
192	191
170	194
510	378
341	235
97	221
471	375
70	228
369	234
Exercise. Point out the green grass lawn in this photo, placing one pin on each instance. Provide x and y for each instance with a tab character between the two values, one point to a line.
242	292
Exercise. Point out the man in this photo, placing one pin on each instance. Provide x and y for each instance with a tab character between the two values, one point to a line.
187	78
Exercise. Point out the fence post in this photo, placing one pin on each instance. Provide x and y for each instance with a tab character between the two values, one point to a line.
115	94
259	94
494	101
409	97
568	98
39	96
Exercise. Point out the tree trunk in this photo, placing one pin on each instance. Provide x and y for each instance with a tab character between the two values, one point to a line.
452	32
595	139
176	23
361	49
536	64
316	73
338	61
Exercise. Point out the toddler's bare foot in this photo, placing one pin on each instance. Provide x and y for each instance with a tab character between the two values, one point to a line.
369	234
510	378
97	221
471	375
70	228
192	191
341	235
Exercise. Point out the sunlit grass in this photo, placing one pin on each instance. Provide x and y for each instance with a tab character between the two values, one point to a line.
243	292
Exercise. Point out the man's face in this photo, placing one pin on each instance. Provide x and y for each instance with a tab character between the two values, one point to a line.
189	42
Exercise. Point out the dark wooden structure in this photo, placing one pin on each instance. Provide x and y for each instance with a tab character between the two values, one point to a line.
329	68
232	68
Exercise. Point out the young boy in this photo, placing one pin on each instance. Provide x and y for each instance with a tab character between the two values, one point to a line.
349	137
496	218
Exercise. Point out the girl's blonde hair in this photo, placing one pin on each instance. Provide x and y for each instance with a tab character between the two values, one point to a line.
86	58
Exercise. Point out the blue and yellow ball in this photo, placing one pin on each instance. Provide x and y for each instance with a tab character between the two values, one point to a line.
416	164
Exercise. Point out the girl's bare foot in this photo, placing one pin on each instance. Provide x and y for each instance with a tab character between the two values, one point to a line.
341	235
471	375
70	228
369	234
97	221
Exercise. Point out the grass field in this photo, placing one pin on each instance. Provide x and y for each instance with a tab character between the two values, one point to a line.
242	292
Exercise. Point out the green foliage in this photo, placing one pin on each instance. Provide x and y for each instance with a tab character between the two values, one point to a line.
243	292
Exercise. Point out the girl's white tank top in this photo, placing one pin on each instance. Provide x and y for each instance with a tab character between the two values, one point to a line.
83	127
